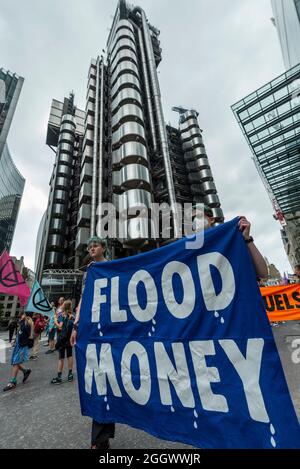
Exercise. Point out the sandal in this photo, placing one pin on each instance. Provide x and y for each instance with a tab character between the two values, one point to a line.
9	387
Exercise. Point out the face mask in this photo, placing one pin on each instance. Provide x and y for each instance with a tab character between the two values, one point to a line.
200	224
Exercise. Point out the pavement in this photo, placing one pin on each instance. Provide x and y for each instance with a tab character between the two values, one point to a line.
40	415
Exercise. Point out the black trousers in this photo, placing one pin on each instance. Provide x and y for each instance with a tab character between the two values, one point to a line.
11	332
102	432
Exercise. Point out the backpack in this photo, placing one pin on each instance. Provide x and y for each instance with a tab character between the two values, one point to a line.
39	326
65	334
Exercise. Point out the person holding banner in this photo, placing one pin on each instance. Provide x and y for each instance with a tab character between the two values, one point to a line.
20	353
208	221
101	432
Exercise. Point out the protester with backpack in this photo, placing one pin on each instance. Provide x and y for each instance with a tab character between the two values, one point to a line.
39	327
20	354
64	325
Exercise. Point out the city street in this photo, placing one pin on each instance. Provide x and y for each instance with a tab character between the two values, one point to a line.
40	415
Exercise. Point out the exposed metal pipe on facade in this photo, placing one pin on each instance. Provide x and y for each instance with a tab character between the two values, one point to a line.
100	172
161	124
94	176
147	88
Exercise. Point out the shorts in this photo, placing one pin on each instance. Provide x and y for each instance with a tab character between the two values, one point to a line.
62	352
52	334
20	355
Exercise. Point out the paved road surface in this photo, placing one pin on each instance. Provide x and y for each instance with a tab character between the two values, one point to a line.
40	415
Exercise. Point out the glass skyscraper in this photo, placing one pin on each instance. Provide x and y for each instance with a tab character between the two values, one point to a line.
11	190
270	121
11	181
287	21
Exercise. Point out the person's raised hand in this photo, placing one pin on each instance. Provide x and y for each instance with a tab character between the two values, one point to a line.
244	226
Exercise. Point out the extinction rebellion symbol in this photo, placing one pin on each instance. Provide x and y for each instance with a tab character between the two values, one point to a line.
9	275
40	302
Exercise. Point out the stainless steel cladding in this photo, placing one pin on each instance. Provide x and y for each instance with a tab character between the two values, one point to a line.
128	95
130	177
123	54
133	199
135	231
122	33
147	90
218	214
190	133
196	141
95	152
124	66
197	164
127	131
54	258
56	241
58	225
200	163
130	152
122	43
212	200
84	214
204	175
101	138
126	111
160	120
127	80
194	154
209	187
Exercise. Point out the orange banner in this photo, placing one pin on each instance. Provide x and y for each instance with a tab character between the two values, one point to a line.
282	302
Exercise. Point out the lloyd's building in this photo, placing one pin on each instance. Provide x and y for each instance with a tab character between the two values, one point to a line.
120	151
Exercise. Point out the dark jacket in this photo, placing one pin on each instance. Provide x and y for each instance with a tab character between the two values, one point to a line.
24	333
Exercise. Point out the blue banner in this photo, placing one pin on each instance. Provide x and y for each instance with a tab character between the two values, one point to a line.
38	303
176	342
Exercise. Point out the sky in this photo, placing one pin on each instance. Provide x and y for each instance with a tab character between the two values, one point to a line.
215	52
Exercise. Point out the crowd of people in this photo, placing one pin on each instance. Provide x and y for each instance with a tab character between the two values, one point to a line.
58	327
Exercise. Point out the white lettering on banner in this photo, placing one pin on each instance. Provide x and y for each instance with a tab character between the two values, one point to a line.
184	309
142	395
179	377
148	313
212	301
190	285
248	370
101	371
206	375
117	314
98	298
